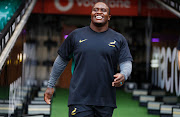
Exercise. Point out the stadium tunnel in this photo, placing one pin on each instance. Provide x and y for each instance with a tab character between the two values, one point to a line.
31	31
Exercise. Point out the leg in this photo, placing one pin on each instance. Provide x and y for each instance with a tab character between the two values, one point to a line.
80	111
103	111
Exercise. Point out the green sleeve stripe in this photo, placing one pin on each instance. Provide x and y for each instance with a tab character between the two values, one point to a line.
73	64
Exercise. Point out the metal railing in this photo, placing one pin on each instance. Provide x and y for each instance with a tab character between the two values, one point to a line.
175	4
9	28
172	5
11	31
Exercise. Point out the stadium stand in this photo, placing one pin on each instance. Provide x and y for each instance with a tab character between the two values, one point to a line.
39	109
137	92
158	93
143	99
170	100
7	109
175	112
3	115
146	86
14	24
130	86
154	107
39	98
166	110
15	107
7	10
33	115
38	102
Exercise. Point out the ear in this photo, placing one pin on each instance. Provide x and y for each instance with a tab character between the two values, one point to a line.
109	17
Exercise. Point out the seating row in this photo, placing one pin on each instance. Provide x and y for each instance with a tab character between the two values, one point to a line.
158	102
164	110
38	106
29	103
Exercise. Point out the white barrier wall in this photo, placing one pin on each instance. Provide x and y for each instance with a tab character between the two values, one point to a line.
165	71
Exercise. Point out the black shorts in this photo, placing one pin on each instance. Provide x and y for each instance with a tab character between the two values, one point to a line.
90	111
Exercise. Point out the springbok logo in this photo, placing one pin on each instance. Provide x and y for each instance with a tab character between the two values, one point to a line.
63	8
74	111
112	44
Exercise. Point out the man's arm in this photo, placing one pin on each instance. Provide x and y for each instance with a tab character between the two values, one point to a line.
179	58
125	71
58	67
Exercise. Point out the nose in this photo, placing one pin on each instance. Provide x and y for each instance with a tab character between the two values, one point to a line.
99	11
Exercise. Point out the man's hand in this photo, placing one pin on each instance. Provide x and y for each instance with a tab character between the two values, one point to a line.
118	80
48	94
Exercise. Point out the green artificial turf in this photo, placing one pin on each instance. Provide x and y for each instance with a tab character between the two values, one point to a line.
59	105
126	106
4	92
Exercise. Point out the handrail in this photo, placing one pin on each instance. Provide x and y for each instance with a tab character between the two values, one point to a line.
171	8
8	30
17	31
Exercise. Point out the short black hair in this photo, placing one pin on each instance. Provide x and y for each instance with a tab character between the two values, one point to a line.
105	4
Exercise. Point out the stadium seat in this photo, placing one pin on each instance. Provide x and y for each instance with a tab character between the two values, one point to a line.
52	54
145	86
42	72
130	86
16	107
39	98
137	92
158	93
3	115
39	109
43	88
41	93
175	112
45	83
44	53
38	102
6	108
154	107
143	99
166	110
1	101
170	100
33	115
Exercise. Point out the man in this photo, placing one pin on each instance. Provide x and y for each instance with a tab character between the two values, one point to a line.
96	50
178	51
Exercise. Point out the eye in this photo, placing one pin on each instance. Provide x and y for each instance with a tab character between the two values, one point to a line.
95	9
103	10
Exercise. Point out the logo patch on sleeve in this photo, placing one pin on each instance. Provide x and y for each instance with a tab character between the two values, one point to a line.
112	44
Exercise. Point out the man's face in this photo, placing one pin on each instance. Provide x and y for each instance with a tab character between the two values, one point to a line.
100	14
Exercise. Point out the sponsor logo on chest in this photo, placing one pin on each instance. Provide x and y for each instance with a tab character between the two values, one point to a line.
82	40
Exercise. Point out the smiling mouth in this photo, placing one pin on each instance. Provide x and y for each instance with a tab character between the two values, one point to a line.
99	17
